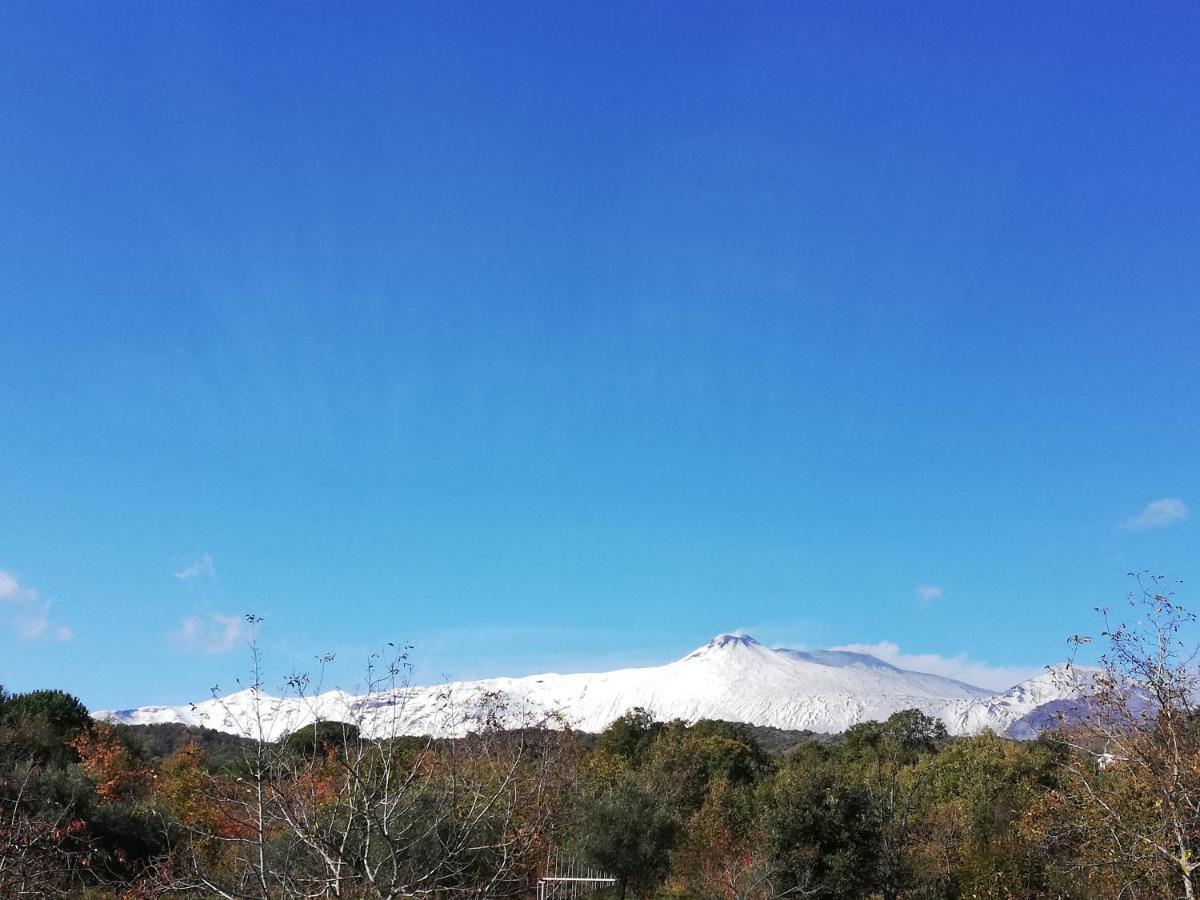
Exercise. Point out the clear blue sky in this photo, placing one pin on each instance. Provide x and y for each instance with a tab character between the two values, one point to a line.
564	336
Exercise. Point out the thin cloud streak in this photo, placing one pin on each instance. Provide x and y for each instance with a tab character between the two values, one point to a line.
215	634
200	567
959	667
1157	514
928	593
29	611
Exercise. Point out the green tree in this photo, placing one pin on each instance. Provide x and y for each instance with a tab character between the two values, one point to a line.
39	726
321	736
968	840
629	738
816	820
885	757
684	761
626	831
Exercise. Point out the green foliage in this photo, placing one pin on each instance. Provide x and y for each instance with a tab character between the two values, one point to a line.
979	790
684	761
39	725
818	822
889	810
906	735
60	710
629	738
778	741
156	743
628	833
321	736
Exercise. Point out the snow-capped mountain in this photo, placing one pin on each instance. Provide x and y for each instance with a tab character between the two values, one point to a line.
732	677
1029	708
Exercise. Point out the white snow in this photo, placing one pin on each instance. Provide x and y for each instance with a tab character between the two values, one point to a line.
732	677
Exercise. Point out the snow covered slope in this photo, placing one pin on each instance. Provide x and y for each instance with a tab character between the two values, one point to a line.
1029	708
732	677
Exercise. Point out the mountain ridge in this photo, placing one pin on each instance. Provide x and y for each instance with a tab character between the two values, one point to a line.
733	677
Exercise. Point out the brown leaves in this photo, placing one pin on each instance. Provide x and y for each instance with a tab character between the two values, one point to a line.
108	761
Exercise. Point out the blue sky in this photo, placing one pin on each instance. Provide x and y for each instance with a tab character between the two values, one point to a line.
563	336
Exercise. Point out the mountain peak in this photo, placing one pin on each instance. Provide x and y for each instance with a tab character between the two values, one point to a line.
731	638
732	677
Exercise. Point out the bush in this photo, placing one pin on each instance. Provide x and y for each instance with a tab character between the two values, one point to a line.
321	736
39	725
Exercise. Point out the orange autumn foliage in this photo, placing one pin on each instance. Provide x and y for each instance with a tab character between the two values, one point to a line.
108	761
198	799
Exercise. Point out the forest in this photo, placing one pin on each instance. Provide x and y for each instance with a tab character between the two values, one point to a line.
1106	804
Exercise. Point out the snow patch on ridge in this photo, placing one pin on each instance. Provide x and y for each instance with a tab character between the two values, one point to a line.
732	677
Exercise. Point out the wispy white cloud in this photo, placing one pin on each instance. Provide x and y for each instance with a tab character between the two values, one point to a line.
1157	514
928	593
960	667
11	590
200	567
29	611
214	633
36	623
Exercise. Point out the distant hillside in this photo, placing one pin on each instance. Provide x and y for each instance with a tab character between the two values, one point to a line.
157	742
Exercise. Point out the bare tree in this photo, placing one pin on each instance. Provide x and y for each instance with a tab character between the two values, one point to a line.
41	852
1130	796
751	870
360	809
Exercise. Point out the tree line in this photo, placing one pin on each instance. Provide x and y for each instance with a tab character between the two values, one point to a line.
1105	805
